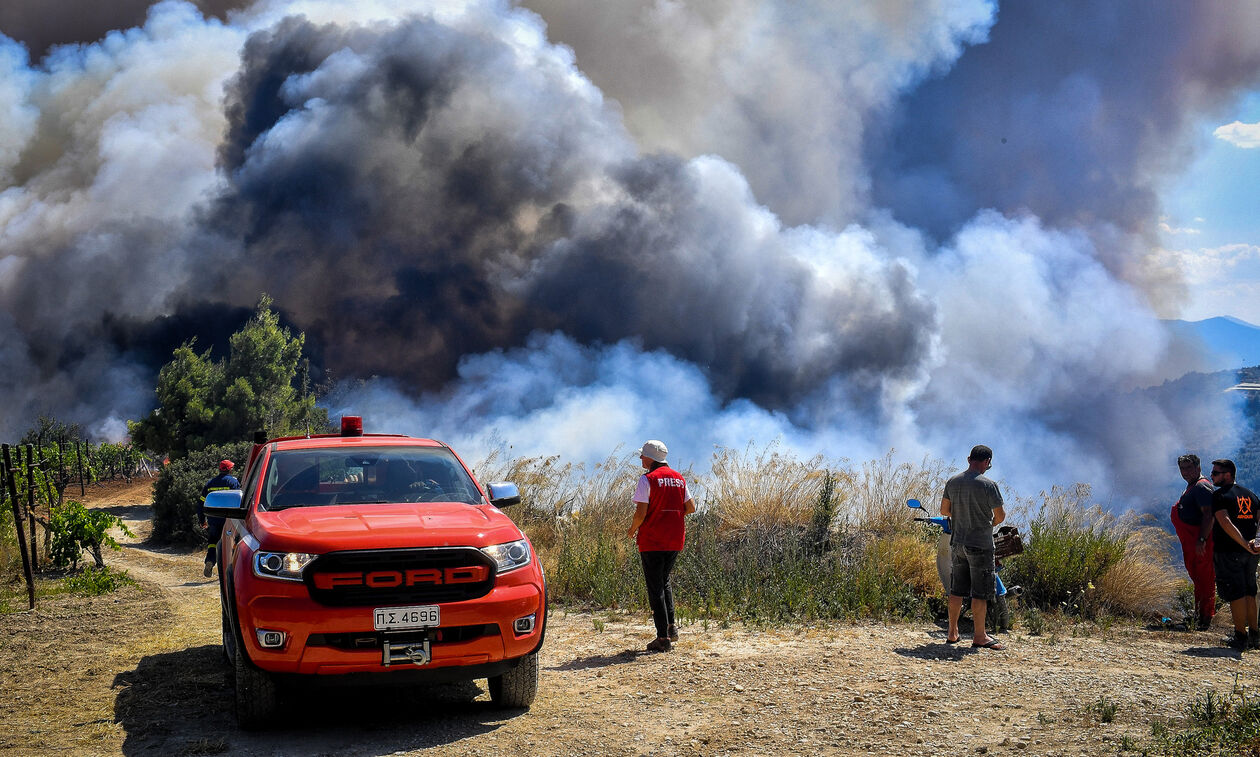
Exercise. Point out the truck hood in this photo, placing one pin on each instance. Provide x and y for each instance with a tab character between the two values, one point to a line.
319	530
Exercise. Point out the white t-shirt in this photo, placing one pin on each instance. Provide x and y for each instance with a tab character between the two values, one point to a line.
642	492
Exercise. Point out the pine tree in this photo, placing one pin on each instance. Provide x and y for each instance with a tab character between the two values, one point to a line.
201	402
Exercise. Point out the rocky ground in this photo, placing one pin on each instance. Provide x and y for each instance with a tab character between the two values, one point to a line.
140	672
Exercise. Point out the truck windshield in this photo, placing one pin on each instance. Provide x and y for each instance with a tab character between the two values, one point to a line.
365	475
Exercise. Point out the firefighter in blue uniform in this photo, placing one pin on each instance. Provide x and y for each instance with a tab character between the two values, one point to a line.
222	482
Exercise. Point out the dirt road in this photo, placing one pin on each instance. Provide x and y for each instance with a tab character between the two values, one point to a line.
140	672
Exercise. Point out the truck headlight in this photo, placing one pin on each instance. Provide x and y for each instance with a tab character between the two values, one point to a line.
283	565
510	556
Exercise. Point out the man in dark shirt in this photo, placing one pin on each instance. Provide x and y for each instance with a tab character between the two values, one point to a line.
1192	520
222	482
1234	509
974	506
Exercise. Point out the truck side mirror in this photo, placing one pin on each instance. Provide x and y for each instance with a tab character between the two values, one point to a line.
503	494
225	504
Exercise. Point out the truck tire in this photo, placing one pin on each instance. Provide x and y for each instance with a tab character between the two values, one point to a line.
229	638
256	696
518	686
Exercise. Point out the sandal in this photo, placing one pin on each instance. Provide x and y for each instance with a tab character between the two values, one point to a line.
989	643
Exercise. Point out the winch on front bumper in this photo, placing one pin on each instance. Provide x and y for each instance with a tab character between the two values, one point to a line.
393	652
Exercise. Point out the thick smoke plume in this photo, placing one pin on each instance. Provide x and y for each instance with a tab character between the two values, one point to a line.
707	229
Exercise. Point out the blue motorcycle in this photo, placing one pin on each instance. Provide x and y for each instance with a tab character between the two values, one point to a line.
1006	543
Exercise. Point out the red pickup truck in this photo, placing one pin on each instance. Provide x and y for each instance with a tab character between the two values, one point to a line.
374	558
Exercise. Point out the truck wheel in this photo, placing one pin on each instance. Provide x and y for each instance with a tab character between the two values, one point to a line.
229	639
256	695
517	687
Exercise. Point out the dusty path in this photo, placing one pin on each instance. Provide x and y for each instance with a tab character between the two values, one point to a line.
140	672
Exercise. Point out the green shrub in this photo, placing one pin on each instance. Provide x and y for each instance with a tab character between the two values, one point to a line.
10	557
1034	621
1211	724
178	489
74	529
93	582
1105	709
1068	549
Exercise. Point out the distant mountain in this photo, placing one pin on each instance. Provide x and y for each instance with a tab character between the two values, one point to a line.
1228	342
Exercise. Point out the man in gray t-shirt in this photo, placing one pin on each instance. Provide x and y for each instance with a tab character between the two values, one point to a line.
973	504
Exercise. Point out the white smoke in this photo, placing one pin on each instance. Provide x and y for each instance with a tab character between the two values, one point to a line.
438	193
785	90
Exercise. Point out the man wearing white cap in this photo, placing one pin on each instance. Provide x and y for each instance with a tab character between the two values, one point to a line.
661	501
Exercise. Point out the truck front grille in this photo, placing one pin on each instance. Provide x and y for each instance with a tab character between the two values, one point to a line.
399	576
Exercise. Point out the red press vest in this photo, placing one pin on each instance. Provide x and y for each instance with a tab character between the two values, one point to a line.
662	529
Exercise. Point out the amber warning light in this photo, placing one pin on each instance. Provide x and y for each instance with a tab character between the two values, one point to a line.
351	425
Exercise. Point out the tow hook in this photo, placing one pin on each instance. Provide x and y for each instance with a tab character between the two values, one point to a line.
417	653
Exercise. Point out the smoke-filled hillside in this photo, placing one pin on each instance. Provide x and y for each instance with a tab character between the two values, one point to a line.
569	226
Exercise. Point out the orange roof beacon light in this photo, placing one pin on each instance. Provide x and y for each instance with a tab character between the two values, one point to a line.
352	425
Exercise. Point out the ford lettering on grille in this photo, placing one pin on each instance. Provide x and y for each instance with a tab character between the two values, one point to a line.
400	576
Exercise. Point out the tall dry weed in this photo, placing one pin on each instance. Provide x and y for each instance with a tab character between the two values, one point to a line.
767	490
1082	559
880	489
782	538
547	489
1144	582
602	501
911	560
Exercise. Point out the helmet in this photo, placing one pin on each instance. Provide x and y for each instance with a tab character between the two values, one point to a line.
226	465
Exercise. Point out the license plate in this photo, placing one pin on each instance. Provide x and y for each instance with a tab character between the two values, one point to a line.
397	618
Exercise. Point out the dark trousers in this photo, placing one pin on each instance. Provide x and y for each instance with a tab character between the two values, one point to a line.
656	569
214	531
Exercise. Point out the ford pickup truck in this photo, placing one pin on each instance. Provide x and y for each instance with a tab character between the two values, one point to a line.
373	558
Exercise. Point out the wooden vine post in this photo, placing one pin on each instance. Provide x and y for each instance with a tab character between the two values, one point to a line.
17	521
44	470
78	461
30	505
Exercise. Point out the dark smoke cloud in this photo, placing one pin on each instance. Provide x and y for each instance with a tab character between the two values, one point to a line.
40	24
366	186
785	89
1076	111
457	216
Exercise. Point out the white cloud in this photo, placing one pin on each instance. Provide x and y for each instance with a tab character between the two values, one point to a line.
1209	272
1168	228
1240	134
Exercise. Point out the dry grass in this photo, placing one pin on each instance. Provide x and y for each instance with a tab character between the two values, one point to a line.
1085	560
1144	582
911	560
1081	560
766	490
880	489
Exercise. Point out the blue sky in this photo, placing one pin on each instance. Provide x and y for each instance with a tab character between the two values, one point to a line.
1212	220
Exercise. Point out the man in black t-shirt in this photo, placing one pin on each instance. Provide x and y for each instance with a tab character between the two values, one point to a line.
1192	520
1235	556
